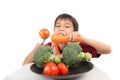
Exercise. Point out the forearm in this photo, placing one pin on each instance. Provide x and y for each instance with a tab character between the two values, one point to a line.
29	58
101	48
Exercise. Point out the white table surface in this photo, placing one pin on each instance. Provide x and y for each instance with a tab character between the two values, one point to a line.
25	73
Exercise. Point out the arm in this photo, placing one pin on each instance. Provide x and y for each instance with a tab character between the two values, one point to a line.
29	58
101	48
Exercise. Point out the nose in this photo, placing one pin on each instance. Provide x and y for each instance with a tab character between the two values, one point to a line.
61	29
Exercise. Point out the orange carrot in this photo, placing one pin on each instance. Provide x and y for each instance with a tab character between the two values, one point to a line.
56	48
61	38
55	38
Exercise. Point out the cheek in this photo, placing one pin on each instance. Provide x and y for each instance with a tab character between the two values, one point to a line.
69	31
55	30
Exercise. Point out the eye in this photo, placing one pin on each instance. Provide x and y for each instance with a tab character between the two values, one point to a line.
67	26
57	26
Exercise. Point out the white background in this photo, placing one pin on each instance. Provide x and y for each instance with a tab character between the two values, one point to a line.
21	20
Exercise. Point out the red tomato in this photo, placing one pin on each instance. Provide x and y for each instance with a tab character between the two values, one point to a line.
51	69
44	33
63	70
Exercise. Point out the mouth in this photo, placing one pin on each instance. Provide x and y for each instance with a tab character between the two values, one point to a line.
62	34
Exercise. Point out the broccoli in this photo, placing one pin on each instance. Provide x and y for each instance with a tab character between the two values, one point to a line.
86	56
72	55
43	54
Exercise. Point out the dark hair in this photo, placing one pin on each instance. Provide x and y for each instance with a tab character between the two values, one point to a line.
71	18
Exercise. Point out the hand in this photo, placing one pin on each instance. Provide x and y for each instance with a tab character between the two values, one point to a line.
73	35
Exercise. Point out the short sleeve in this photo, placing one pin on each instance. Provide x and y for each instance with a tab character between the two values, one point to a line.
48	44
90	49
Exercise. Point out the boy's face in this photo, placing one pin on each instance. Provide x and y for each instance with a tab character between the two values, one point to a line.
63	26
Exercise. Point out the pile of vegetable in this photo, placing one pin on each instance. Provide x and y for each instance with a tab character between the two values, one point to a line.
53	65
73	55
43	55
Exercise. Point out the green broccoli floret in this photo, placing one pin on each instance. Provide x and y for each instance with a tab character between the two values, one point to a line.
42	55
56	59
71	55
85	56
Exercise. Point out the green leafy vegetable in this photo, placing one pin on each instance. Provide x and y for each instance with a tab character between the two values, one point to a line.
73	55
43	55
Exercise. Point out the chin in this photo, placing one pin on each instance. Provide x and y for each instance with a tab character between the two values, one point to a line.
62	43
